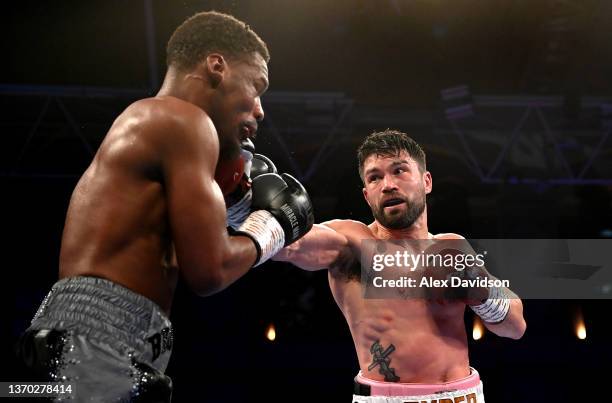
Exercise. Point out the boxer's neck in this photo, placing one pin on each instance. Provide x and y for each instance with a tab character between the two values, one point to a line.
185	86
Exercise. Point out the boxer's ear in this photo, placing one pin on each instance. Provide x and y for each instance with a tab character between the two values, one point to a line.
216	68
427	182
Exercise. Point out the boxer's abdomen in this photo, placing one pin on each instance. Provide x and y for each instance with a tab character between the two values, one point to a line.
409	340
117	228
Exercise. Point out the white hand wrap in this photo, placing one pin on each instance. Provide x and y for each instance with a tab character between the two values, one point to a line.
267	233
495	308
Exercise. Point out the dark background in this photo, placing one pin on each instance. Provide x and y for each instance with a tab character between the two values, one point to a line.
527	156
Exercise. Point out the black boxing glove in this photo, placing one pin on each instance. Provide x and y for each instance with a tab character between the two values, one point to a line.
238	203
261	165
281	214
232	174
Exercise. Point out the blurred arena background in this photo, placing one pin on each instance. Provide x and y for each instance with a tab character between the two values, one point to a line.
511	99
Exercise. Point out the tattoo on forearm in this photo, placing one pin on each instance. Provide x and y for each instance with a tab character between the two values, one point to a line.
380	358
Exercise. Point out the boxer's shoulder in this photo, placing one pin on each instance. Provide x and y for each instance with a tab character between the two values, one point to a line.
174	113
350	228
448	235
168	122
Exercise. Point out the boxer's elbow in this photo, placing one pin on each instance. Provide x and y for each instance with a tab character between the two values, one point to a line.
228	263
203	280
515	325
519	329
210	286
520	326
512	329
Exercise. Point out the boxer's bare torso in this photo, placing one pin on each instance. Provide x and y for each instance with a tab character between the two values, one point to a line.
429	339
149	201
418	337
117	223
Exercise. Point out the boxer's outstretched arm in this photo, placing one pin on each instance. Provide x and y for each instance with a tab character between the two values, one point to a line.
208	257
319	249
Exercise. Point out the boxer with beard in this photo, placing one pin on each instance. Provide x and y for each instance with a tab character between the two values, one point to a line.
409	349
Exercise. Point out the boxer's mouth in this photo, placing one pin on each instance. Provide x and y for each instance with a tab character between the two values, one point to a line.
248	131
392	202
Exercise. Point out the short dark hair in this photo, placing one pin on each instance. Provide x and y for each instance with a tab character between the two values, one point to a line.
208	32
390	143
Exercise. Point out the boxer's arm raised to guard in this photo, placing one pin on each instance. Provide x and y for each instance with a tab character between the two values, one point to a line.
514	325
208	257
319	249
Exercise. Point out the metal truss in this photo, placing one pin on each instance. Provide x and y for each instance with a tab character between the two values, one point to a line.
501	139
306	127
301	128
529	140
45	128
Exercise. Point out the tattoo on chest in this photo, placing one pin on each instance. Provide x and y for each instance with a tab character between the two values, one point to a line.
381	359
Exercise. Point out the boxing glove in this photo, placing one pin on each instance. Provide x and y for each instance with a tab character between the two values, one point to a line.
238	203
281	214
230	174
261	165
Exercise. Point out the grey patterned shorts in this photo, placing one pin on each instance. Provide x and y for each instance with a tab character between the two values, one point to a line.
112	344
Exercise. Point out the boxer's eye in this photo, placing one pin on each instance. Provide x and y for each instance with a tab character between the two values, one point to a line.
373	178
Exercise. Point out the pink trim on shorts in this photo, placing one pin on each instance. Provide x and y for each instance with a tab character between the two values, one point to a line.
381	388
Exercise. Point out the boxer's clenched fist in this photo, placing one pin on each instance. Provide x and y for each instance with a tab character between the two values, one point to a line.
281	214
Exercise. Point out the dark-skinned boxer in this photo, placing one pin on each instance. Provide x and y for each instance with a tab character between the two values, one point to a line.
155	191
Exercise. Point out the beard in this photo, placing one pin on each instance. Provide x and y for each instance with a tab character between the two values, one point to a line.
401	219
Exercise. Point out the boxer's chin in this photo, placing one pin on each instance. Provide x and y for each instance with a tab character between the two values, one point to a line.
229	148
396	221
399	217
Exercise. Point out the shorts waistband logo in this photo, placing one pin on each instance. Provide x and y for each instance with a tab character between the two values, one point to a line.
469	398
161	342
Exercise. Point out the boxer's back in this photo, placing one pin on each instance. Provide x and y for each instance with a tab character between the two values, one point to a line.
117	225
429	340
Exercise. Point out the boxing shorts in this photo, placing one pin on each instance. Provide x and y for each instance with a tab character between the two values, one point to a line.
466	390
109	343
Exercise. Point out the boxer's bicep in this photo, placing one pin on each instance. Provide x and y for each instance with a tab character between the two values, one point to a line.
197	216
196	210
208	257
319	249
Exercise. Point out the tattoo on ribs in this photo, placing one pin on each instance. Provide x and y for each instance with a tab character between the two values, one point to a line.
380	358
